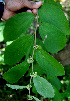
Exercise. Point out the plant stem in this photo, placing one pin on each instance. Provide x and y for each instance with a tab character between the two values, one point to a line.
32	58
35	37
29	85
36	27
34	48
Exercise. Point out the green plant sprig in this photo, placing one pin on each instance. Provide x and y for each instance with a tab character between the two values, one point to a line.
36	17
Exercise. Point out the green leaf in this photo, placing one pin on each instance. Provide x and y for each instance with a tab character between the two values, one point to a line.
36	68
17	49
55	82
15	86
54	3
67	70
49	64
49	13
43	87
34	90
68	90
16	72
28	53
17	25
57	95
55	40
39	42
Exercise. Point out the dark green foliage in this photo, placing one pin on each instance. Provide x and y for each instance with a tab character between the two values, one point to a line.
17	49
17	25
51	14
54	3
55	82
55	40
68	90
16	72
37	69
53	28
49	64
57	95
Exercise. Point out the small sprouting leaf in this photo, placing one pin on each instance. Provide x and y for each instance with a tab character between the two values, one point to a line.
49	64
17	25
43	87
16	72
55	40
15	86
17	49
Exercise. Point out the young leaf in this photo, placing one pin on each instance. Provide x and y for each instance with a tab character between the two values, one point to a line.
51	14
17	25
15	86
17	49
55	40
43	87
49	64
16	72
